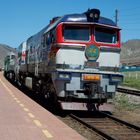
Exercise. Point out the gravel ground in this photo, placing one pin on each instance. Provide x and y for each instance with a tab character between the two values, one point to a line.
130	111
81	129
127	107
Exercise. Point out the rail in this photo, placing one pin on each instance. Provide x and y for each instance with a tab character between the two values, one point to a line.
129	91
110	127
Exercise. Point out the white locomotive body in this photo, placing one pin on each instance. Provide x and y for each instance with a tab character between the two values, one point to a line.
75	60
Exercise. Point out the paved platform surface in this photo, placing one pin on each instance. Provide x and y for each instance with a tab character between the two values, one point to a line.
21	118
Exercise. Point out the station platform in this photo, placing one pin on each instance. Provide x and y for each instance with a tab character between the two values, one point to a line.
21	118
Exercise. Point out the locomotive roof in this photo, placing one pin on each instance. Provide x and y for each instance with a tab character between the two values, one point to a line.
81	18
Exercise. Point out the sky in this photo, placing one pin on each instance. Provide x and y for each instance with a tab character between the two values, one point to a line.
20	19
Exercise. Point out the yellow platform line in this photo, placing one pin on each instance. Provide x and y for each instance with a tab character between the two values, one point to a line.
15	98
31	115
37	123
46	133
12	95
18	101
26	109
9	91
22	105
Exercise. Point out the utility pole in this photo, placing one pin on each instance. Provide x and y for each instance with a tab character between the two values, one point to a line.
116	16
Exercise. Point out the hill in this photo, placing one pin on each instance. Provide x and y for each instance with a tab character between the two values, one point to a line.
4	49
130	52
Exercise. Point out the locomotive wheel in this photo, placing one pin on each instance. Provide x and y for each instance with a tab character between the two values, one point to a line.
49	94
45	92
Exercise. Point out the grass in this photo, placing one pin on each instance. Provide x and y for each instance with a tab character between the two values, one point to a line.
131	81
122	101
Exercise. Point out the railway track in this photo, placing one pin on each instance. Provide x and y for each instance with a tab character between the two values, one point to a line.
110	127
128	91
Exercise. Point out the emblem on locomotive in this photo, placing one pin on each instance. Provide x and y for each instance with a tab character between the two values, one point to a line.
92	52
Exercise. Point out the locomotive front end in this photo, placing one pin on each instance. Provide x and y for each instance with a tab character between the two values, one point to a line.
87	61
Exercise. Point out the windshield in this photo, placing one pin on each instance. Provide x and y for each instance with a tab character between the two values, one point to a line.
105	35
76	33
12	56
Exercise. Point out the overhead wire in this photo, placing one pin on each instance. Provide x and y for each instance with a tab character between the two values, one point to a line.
130	17
129	21
129	9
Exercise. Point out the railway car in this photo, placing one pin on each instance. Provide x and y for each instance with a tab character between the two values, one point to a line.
9	65
74	60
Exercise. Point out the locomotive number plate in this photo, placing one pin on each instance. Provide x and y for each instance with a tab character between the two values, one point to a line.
91	64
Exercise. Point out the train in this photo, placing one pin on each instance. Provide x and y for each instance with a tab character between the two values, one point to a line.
9	64
74	60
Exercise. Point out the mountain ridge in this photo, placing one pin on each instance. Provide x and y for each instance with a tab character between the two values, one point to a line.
130	52
4	49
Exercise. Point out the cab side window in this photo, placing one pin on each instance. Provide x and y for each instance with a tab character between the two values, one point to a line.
50	37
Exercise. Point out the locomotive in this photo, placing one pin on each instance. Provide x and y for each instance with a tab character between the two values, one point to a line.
9	65
74	60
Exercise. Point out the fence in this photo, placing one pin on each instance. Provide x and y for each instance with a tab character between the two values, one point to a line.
132	74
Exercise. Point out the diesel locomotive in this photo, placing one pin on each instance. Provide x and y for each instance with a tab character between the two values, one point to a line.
9	65
74	60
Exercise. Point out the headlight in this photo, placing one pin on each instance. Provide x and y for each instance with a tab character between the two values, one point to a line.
64	76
